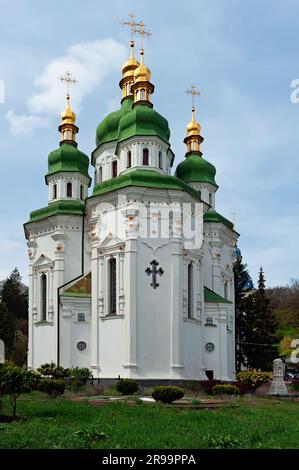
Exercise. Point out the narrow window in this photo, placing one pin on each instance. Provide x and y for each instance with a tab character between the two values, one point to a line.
100	174
69	190
112	286
82	192
129	159
226	290
210	199
55	191
43	280
142	94
190	290
145	157
160	161
114	169
81	316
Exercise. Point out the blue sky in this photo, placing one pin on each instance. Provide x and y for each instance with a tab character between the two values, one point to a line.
242	55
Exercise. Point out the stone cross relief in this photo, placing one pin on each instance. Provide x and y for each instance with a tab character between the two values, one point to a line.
154	272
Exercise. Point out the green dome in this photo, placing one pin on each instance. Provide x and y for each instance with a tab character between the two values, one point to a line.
143	120
68	158
212	216
196	169
107	130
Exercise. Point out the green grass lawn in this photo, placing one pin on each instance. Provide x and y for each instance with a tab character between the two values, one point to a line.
55	424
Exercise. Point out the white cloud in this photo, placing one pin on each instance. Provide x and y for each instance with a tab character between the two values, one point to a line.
89	62
21	124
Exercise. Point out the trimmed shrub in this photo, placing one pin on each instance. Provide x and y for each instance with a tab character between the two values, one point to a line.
225	390
53	387
54	371
127	386
254	378
167	393
207	385
80	375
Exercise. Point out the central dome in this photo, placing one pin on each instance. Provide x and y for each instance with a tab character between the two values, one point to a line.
143	120
107	130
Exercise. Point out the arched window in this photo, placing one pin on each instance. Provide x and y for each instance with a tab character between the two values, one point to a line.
210	199
112	286
226	290
114	169
43	290
81	192
160	161
129	159
142	94
69	190
145	157
54	191
190	290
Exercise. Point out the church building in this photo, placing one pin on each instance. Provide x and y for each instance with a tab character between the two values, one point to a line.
105	295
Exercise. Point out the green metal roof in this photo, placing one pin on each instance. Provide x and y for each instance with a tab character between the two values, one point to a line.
143	178
211	297
143	120
196	169
212	216
67	158
107	130
59	207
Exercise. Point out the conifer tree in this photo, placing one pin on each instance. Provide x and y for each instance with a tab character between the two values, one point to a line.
14	295
7	330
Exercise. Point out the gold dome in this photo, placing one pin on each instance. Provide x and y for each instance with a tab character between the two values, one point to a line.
68	116
142	73
193	128
131	65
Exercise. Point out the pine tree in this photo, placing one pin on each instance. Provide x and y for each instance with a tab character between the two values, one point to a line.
260	337
13	294
241	277
7	330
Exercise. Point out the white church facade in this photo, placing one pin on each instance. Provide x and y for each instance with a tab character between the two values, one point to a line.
109	289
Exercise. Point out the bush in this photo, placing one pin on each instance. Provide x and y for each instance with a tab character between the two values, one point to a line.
254	378
15	380
295	385
207	385
127	386
51	370
53	387
225	389
80	375
167	394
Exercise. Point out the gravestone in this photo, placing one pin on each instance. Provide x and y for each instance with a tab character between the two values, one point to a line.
2	352
278	386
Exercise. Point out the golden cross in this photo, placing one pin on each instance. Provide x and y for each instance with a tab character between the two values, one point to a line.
132	24
234	214
68	79
142	32
194	92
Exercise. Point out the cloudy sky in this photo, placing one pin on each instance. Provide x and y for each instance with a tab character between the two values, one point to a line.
242	55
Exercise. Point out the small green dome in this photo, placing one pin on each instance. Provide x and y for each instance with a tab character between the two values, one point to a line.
212	216
196	169
107	130
143	120
68	158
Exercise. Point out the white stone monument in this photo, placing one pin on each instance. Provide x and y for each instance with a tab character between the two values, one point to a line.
278	386
2	352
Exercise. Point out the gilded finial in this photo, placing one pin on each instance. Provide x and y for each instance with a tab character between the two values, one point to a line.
142	88
131	65
67	127
193	138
